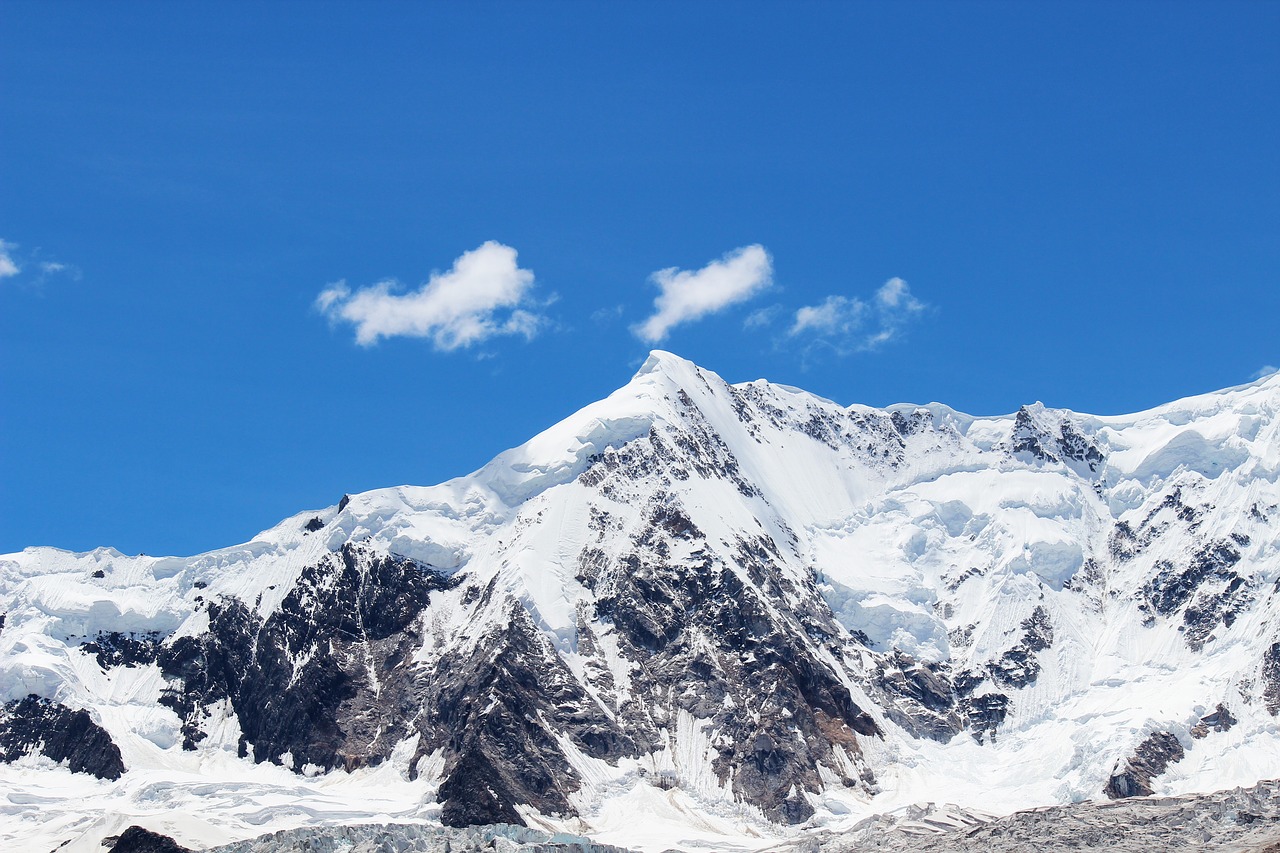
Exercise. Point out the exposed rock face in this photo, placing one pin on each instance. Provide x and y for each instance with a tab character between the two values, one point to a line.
702	635
1171	515
1271	678
61	734
136	839
1211	592
1018	666
113	648
985	714
1035	433
699	624
1152	757
498	711
1220	720
328	681
931	709
322	680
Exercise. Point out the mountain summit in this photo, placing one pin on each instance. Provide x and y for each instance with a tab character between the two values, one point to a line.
733	608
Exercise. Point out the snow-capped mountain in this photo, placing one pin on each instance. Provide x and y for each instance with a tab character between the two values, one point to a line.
732	608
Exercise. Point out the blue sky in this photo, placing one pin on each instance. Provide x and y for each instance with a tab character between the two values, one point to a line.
259	255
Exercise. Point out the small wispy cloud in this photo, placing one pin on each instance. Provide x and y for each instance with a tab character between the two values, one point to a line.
28	270
8	267
834	315
1265	370
691	295
485	294
607	316
848	324
762	317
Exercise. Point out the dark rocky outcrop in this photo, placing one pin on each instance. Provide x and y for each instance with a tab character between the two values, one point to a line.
1152	757
940	703
1028	437
114	648
984	714
877	436
498	713
698	633
911	424
36	724
300	681
1018	667
703	638
1172	513
1208	587
1074	444
923	700
1271	678
136	839
1123	542
1220	720
1065	444
208	668
328	681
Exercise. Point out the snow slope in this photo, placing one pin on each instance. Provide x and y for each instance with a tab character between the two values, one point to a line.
738	610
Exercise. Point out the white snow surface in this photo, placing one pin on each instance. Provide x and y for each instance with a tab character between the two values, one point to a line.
943	555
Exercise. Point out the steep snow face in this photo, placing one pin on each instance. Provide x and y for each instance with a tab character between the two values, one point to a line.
733	607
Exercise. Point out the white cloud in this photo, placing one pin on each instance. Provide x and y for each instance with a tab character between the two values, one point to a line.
762	317
894	295
8	268
484	294
687	296
605	316
1266	370
28	269
847	324
834	315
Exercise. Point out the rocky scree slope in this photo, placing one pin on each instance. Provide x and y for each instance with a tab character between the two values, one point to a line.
1242	820
768	605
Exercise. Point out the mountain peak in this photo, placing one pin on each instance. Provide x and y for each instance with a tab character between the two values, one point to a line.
669	368
662	361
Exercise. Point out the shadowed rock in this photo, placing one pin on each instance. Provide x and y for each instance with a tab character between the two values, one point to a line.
35	724
135	839
1152	757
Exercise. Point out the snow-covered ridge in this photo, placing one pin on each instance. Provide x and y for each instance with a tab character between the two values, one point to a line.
733	606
